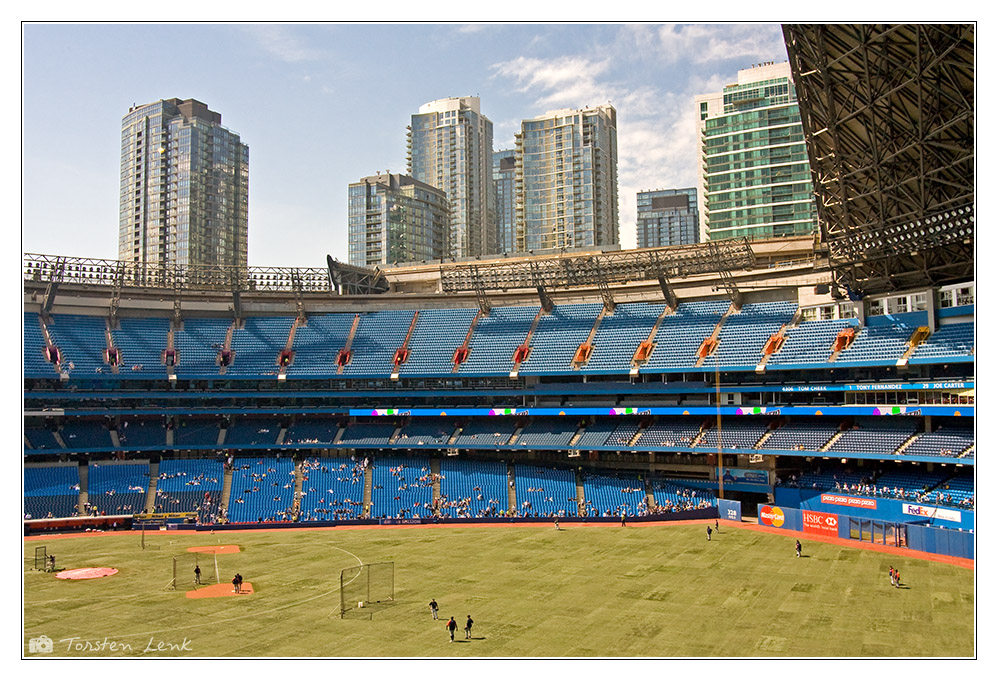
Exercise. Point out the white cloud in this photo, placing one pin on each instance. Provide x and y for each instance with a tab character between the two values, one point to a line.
282	43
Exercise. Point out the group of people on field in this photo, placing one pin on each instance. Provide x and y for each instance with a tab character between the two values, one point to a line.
451	624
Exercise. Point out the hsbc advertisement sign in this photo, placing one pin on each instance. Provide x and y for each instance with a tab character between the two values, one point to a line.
771	516
819	523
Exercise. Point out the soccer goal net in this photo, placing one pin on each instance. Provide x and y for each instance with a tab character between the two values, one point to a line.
194	568
366	584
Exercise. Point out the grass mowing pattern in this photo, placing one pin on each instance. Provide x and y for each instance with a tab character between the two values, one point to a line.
646	591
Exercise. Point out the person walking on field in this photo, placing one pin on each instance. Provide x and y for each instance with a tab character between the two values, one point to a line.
468	627
709	533
197	574
451	626
797	548
433	608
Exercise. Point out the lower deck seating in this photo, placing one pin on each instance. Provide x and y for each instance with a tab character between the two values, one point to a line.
611	496
51	491
472	489
672	495
545	491
114	488
401	487
263	489
190	485
332	489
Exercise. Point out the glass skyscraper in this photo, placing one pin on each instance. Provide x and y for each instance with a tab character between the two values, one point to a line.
754	174
504	172
667	217
567	180
184	187
450	147
393	218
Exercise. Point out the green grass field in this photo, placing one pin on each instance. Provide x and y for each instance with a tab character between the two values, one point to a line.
653	591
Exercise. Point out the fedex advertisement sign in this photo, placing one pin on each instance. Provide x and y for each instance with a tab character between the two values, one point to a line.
819	523
772	516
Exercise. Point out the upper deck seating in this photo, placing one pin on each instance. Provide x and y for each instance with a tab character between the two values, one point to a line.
367	435
317	344
198	344
495	339
680	335
196	431
951	341
811	342
81	434
431	432
257	345
557	337
437	335
142	432
742	337
81	340
618	337
379	335
486	433
141	342
677	432
801	433
944	442
883	436
35	363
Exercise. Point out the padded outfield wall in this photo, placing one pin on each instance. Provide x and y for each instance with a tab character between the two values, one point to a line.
879	508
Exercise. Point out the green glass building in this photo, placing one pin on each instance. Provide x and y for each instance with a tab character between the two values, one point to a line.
393	218
754	176
184	187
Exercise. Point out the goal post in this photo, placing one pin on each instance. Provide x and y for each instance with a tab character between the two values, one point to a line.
184	565
366	584
41	557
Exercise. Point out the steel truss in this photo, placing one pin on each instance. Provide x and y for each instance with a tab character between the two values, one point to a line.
888	116
603	270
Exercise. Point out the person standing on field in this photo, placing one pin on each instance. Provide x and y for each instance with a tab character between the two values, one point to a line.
709	533
433	608
468	627
451	626
197	574
797	548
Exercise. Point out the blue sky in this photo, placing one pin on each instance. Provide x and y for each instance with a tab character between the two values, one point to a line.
321	106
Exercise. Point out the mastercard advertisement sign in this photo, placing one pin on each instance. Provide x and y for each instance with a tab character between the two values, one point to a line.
819	523
771	516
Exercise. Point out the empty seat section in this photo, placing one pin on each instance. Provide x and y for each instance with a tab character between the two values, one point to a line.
669	432
545	491
35	363
114	488
83	434
81	340
401	487
611	496
198	345
877	345
367	435
624	430
495	339
332	489
944	442
958	491
882	437
810	342
41	438
437	335
141	342
548	432
196	432
742	337
317	344
263	489
258	344
618	337
250	430
312	430
951	341
801	434
426	432
680	335
379	335
190	485
557	337
735	434
486	432
51	491
142	432
597	433
471	489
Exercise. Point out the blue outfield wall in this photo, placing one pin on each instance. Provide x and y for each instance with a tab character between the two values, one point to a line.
730	510
875	508
941	541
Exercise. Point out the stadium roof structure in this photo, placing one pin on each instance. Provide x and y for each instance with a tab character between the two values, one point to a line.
888	116
603	269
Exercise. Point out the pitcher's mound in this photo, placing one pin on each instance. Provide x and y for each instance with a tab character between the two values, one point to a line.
220	590
85	573
215	549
